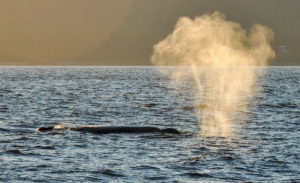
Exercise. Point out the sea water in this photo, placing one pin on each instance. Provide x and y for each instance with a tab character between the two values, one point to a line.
264	148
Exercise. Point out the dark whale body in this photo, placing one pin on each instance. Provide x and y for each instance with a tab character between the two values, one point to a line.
114	129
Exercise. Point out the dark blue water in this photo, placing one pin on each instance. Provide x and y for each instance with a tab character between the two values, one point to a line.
265	147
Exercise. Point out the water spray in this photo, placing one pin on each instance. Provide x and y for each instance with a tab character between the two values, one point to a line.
223	58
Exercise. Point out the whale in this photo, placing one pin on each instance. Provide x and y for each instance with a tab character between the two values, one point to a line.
111	129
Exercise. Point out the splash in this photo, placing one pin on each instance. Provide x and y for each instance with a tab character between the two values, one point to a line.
223	59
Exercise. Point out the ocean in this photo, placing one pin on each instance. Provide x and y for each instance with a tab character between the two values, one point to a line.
264	148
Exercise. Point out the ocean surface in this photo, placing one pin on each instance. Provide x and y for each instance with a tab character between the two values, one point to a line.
264	148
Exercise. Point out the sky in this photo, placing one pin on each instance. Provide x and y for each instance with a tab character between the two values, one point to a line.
123	32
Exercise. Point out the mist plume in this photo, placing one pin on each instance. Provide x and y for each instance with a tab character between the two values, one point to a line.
222	57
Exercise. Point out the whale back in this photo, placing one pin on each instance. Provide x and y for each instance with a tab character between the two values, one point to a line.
171	130
111	129
117	129
44	129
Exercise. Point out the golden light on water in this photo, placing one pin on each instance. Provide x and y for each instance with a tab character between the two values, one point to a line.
221	56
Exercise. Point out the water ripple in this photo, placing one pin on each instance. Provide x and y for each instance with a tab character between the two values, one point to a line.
265	147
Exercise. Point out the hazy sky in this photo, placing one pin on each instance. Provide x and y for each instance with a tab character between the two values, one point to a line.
123	32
